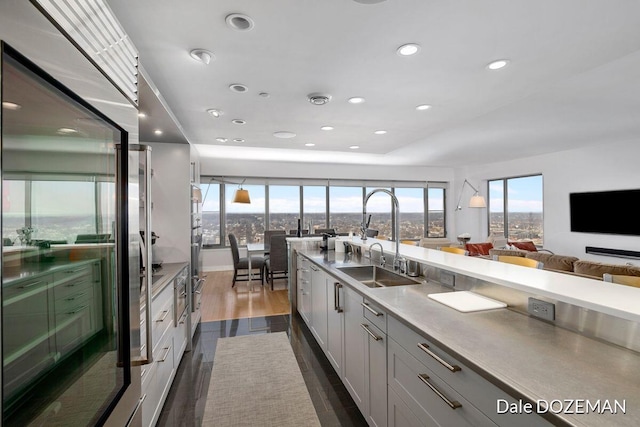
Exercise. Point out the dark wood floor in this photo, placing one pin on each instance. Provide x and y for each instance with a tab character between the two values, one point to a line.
185	403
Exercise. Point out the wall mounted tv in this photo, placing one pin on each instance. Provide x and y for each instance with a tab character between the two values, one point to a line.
607	212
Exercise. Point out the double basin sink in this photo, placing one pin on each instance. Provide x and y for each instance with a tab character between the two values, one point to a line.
377	277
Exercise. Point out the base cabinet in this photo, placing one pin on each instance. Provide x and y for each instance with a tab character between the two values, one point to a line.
319	309
335	325
355	348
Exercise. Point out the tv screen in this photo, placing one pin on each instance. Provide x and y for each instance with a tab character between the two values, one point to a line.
607	212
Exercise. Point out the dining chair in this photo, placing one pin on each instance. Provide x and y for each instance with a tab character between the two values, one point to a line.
622	279
277	265
257	263
453	250
518	260
324	230
267	238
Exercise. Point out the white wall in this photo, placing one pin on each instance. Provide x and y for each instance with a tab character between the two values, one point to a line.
594	168
170	195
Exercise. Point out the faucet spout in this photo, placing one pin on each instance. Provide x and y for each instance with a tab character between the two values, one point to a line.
382	258
399	263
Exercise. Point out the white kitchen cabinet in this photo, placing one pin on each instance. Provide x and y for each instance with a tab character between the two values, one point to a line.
376	370
335	325
440	389
399	413
319	308
355	349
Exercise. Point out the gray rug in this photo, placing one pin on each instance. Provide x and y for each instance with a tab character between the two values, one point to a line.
256	381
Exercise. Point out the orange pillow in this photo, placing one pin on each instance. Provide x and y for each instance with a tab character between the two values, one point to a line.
525	246
476	249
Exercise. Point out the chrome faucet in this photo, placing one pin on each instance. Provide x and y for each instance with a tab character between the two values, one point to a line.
399	262
382	258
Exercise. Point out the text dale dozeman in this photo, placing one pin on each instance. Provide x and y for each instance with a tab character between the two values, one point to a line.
562	406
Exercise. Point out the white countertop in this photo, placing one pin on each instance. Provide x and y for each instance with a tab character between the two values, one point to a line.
608	298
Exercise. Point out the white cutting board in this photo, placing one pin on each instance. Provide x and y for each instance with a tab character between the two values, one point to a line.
466	301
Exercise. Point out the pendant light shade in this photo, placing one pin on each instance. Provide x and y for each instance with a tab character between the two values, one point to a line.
241	196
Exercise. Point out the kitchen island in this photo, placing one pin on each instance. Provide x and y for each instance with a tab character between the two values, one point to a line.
504	366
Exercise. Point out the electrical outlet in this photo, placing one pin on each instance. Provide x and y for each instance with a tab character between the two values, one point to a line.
448	279
542	309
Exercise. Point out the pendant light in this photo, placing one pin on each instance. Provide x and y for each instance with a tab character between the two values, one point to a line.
241	195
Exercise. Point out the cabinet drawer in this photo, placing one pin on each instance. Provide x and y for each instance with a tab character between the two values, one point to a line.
460	377
162	321
72	302
427	395
74	272
72	286
375	315
24	289
399	413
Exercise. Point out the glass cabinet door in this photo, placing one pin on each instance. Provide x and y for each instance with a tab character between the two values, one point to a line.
65	357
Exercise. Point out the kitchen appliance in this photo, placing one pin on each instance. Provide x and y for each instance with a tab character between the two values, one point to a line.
71	325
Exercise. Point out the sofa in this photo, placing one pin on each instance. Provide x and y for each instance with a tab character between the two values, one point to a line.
571	264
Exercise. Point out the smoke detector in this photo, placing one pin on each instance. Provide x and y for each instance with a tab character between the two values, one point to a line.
317	98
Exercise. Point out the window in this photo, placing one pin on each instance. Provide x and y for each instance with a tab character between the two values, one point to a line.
276	204
314	206
245	220
284	207
345	209
13	209
516	208
211	233
435	212
411	212
380	207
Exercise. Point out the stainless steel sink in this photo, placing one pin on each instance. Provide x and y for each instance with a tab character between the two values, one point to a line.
377	277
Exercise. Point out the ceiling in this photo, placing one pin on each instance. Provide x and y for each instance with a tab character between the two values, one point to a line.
571	80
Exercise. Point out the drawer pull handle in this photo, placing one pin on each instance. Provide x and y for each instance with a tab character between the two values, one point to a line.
75	297
336	297
425	347
374	336
375	313
452	404
314	268
166	353
166	313
183	319
30	285
78	310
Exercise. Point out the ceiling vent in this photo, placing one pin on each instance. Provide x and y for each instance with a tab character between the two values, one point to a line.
318	98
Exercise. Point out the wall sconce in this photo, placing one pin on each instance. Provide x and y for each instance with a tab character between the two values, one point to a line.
477	201
241	195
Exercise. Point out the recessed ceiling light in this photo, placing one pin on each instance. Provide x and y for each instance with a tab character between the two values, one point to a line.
238	122
284	134
408	49
239	22
202	55
214	112
221	139
11	105
356	100
310	144
264	94
142	115
157	132
496	65
67	131
380	132
423	107
238	140
237	87
354	147
326	128
317	98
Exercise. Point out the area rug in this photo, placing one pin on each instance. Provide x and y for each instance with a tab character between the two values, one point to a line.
256	381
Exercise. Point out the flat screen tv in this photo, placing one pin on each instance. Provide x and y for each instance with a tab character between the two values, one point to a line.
607	212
